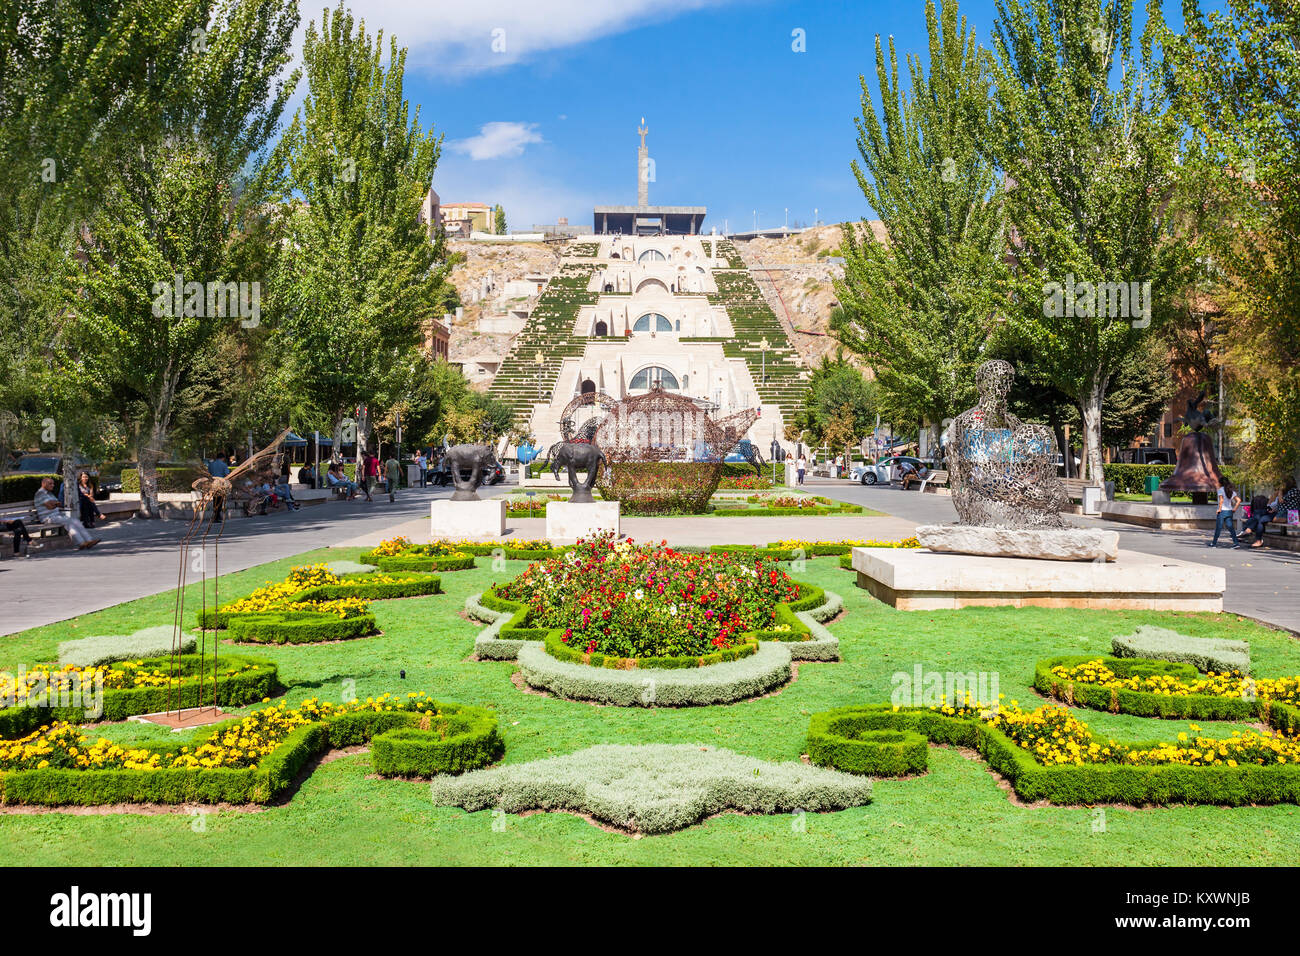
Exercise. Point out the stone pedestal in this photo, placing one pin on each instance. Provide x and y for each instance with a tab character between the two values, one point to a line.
1053	544
920	580
566	520
1166	517
467	519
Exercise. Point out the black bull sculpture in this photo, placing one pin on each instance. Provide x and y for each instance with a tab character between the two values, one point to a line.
575	456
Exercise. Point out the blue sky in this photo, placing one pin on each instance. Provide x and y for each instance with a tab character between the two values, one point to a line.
540	101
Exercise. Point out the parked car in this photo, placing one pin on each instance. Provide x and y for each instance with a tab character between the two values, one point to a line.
879	473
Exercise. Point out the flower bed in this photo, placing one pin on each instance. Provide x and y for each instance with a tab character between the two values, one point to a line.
776	505
745	483
128	688
660	487
625	601
1048	754
1145	687
250	759
313	604
452	555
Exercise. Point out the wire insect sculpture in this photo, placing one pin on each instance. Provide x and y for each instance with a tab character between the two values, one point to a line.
212	495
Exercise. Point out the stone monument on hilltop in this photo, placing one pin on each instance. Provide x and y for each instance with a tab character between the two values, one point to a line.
1004	485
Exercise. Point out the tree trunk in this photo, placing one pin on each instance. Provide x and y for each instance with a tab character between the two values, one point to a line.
148	456
1090	409
71	500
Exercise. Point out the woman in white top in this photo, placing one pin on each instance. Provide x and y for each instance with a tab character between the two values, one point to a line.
1228	503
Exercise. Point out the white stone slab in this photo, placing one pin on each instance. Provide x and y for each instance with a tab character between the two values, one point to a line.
1051	544
467	519
566	521
917	579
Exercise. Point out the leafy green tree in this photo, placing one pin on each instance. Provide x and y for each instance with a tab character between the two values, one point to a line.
499	220
360	276
840	395
166	234
920	303
1090	151
1233	75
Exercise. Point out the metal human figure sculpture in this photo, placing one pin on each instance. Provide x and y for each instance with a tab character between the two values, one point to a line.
1003	470
577	455
212	494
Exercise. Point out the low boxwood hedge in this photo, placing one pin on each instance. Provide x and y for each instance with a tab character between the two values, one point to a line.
238	685
298	627
424	562
1067	784
853	743
474	743
556	647
451	743
172	479
23	487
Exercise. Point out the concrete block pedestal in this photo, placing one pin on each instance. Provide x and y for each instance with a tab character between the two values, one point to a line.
921	580
566	521
467	519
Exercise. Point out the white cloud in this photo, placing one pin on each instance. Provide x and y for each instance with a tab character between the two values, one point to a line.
498	140
452	36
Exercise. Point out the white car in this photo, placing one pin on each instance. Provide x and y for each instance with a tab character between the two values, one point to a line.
881	472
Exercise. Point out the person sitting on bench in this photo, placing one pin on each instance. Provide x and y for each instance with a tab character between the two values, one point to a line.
47	509
22	538
338	479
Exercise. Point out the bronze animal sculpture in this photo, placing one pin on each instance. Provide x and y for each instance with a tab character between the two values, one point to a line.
575	456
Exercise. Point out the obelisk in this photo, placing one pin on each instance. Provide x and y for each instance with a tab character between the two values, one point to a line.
642	169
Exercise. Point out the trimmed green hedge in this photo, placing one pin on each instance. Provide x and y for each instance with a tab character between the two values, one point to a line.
236	689
307	627
1144	703
421	562
556	647
172	479
476	745
1070	784
1131	479
23	487
451	744
851	742
845	509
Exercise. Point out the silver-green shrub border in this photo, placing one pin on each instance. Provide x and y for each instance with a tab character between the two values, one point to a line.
723	683
653	788
1203	653
108	648
823	645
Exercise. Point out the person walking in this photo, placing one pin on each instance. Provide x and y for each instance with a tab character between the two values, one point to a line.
367	471
1229	501
800	466
393	471
47	503
422	462
218	468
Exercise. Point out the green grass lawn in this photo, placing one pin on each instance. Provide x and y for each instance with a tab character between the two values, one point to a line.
956	814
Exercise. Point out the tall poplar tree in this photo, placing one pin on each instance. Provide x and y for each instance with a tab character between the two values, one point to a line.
919	304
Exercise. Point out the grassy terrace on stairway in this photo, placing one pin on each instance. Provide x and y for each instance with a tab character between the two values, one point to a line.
549	330
752	320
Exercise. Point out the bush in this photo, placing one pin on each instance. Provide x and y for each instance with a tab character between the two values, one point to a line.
1131	479
105	649
241	680
660	487
851	742
470	740
1071	784
299	627
653	788
561	651
172	479
451	743
15	488
1203	653
415	562
1140	703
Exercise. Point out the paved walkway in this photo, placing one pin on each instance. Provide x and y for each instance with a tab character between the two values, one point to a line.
139	558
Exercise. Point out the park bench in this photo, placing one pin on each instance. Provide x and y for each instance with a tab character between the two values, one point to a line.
25	511
936	478
1074	488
